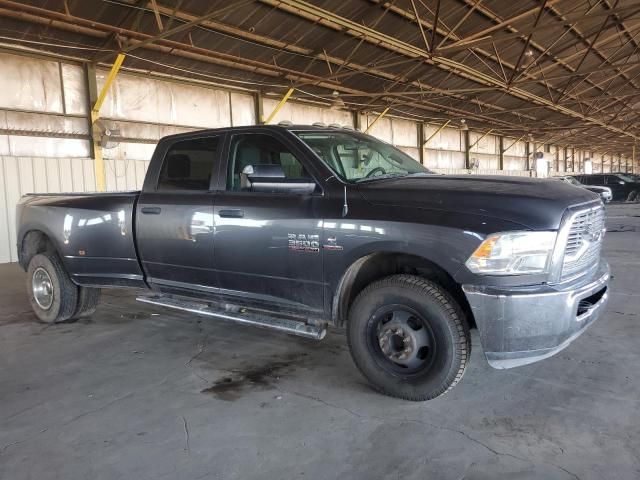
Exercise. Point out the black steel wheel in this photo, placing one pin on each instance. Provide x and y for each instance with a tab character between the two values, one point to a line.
401	341
408	337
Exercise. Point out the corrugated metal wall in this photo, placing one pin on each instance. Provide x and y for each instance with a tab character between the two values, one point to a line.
21	175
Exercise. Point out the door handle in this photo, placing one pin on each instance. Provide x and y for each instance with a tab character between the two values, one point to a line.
151	210
231	213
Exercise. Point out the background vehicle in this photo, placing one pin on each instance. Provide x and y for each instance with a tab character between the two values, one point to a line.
623	187
604	192
301	228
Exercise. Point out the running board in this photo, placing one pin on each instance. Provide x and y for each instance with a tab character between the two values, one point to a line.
285	325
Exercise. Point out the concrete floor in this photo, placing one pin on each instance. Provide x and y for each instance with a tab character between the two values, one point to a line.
143	393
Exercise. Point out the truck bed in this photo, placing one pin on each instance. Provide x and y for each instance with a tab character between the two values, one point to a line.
94	233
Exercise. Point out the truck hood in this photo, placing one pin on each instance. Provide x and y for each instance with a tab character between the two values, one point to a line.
595	188
536	204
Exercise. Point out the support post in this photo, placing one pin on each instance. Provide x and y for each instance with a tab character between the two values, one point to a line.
467	147
95	115
420	127
633	159
357	124
279	106
384	112
527	152
257	107
92	96
501	152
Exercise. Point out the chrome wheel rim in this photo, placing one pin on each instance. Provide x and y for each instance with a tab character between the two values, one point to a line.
42	288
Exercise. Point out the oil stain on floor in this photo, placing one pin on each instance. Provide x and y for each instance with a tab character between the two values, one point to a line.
262	377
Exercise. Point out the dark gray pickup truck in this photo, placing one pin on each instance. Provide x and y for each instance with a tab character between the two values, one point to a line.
298	228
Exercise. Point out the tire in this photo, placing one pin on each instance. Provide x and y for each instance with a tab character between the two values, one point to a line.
88	299
439	345
633	196
57	296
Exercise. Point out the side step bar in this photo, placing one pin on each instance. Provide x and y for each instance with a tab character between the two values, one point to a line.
274	323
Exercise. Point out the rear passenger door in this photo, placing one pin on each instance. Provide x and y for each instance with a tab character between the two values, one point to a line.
592	179
175	217
267	244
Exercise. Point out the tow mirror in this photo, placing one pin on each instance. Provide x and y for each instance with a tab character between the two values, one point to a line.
270	178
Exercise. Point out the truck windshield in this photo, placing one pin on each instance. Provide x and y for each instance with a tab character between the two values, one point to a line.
626	178
355	157
573	181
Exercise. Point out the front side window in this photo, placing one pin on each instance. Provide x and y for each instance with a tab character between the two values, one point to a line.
189	164
257	149
356	157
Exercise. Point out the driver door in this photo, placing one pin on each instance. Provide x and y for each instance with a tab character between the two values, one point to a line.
268	244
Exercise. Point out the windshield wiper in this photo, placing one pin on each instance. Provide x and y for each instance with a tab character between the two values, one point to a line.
422	174
380	177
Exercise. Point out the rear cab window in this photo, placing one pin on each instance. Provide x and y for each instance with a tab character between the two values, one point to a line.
190	164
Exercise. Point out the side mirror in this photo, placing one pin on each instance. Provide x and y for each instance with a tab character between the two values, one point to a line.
271	179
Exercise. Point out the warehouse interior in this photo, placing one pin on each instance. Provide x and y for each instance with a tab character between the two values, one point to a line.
482	92
464	87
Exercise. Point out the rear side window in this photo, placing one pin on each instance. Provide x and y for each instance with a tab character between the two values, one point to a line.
189	164
593	179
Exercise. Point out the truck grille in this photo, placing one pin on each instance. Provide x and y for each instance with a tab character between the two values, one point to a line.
584	242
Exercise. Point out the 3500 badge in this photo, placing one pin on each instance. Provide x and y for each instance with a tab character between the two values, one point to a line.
300	242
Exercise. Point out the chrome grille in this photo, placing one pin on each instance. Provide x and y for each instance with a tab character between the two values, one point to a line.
584	242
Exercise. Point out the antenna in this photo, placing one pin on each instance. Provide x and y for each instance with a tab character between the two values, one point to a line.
345	207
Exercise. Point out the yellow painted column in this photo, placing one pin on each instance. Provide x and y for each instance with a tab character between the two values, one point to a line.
279	106
95	115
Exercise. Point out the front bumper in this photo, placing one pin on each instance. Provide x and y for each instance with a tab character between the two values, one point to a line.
521	326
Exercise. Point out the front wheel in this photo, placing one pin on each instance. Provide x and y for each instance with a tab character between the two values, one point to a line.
408	337
633	196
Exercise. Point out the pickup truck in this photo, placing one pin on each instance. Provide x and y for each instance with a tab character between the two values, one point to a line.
624	187
605	192
300	228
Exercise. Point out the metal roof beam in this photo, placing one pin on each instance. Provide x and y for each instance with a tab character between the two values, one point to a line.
180	28
486	33
566	22
484	11
200	54
557	62
305	10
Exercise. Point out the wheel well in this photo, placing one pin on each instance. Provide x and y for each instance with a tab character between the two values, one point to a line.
373	267
34	242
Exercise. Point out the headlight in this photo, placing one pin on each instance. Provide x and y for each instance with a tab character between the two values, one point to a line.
513	253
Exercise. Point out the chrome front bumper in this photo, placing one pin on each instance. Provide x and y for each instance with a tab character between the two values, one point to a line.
521	326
